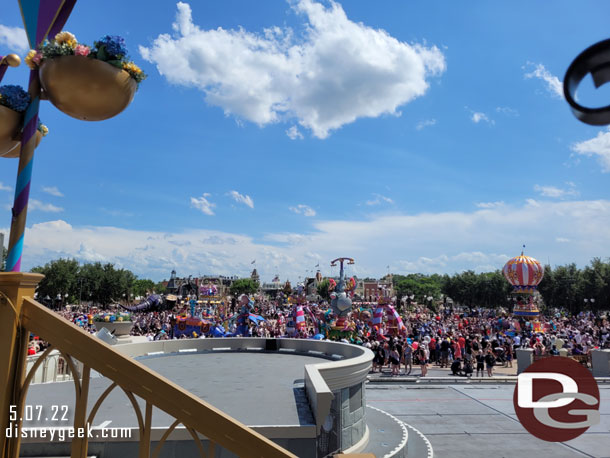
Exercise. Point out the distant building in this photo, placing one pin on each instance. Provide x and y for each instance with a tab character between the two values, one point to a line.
370	290
254	276
273	287
171	286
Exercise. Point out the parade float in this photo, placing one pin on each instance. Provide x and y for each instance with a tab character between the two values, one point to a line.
525	273
339	325
245	317
394	325
118	324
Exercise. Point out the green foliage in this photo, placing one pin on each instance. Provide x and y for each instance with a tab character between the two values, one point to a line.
52	49
160	288
60	278
100	284
323	289
562	287
244	286
489	289
418	285
143	287
568	287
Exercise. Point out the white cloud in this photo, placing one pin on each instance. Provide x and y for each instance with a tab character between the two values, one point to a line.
562	240
482	239
598	146
294	133
552	191
303	209
331	74
53	191
242	199
379	199
532	203
202	203
478	116
508	111
490	204
14	38
34	204
3	187
552	83
425	123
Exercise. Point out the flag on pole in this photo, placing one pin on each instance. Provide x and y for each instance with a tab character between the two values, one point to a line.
253	262
318	265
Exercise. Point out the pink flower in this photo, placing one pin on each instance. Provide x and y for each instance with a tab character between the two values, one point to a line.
82	50
37	58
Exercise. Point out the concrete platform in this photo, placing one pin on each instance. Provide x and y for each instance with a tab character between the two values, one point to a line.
262	390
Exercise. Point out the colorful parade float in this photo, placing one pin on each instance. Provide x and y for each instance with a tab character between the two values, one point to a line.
525	273
340	326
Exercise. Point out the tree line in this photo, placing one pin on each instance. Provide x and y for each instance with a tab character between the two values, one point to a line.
67	281
562	287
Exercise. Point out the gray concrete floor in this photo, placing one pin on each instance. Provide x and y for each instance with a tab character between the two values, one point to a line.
480	421
255	388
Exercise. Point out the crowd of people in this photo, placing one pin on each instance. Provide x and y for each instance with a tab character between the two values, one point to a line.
468	342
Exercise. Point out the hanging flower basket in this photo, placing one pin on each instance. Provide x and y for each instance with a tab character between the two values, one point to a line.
86	89
10	122
16	149
13	102
87	83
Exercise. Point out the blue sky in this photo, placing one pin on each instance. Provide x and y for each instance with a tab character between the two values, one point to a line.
424	137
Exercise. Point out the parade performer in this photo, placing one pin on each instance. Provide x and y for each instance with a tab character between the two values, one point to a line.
246	306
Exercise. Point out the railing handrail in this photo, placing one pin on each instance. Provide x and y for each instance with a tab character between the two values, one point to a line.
140	380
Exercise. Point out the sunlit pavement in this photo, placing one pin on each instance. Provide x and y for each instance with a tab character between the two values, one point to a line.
476	420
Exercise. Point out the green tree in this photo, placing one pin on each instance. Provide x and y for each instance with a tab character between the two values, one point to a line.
567	288
418	285
243	286
60	279
546	286
90	281
160	288
143	287
595	281
323	289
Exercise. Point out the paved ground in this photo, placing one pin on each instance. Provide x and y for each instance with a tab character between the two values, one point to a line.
436	371
480	421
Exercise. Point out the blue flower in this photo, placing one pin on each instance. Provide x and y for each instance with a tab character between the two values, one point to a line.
115	45
14	97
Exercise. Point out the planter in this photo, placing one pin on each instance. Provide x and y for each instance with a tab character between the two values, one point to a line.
118	328
16	149
10	124
86	89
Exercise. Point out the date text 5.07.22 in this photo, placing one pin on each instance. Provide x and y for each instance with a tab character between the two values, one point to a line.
39	413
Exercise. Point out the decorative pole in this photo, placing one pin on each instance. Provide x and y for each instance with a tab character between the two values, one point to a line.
40	18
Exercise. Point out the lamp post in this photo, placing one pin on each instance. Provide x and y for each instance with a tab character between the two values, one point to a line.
589	301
